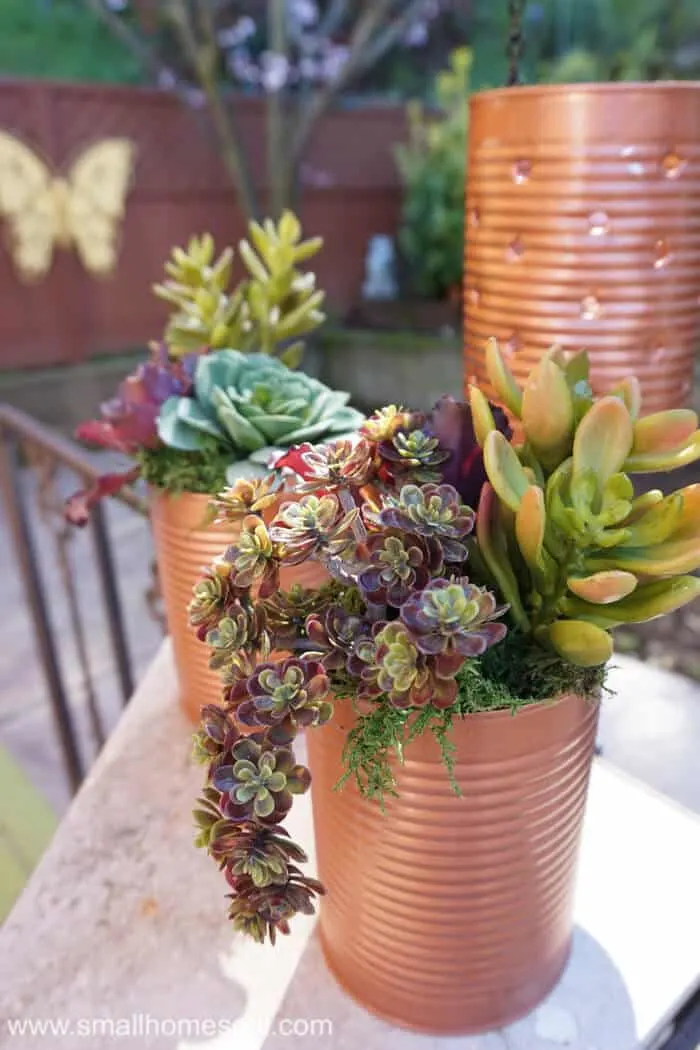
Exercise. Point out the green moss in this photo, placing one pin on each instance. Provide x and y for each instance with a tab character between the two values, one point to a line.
509	676
176	471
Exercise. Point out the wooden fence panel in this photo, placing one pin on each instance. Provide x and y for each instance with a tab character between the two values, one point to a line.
180	188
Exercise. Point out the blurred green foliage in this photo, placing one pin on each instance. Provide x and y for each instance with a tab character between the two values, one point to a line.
432	166
62	40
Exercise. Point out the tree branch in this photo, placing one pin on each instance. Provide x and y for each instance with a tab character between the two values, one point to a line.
368	21
276	169
204	58
389	36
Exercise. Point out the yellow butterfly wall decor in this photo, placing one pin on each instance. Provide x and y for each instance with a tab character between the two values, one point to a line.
82	208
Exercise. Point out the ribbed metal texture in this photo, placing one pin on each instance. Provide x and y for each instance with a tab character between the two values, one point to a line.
583	229
184	548
449	914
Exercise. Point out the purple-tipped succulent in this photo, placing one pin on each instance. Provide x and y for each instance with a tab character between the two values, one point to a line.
259	782
334	634
129	419
293	689
453	616
397	564
433	511
413	453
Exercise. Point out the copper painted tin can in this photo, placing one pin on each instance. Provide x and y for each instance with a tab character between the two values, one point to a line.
583	229
184	549
448	914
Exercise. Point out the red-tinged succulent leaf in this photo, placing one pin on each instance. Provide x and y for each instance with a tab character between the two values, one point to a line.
77	507
294	460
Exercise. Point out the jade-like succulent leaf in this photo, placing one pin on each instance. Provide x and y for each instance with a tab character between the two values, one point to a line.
580	642
504	470
493	551
548	412
657	523
603	587
664	431
644	462
530	522
629	391
502	379
649	600
482	416
603	439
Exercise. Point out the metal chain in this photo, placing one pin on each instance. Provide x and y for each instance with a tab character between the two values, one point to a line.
516	43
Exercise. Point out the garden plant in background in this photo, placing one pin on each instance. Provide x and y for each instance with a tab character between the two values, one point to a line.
433	167
402	662
217	401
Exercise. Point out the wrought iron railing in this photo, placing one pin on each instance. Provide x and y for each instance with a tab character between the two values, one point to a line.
35	461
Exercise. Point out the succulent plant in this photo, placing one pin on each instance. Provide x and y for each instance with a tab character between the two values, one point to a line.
276	304
397	564
256	407
312	525
254	558
259	782
340	464
562	535
293	689
263	912
261	853
212	595
246	496
433	511
393	627
241	627
385	423
390	664
334	635
454	425
453	615
413	452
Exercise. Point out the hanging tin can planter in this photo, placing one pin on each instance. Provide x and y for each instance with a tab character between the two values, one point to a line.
583	229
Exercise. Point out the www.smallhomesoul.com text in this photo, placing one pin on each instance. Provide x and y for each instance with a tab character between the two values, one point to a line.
143	1024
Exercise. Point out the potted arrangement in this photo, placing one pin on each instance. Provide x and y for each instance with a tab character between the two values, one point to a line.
456	713
215	405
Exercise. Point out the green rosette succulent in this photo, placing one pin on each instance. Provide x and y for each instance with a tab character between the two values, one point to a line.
256	407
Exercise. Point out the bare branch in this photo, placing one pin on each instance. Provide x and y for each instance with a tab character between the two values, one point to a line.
203	56
333	18
276	152
368	21
390	36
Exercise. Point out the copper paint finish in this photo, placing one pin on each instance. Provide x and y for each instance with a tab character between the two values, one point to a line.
452	914
183	550
583	228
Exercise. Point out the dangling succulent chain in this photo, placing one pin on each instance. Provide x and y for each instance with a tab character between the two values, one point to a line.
399	630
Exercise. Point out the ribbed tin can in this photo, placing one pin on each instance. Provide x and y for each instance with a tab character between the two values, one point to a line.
583	229
184	549
450	914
